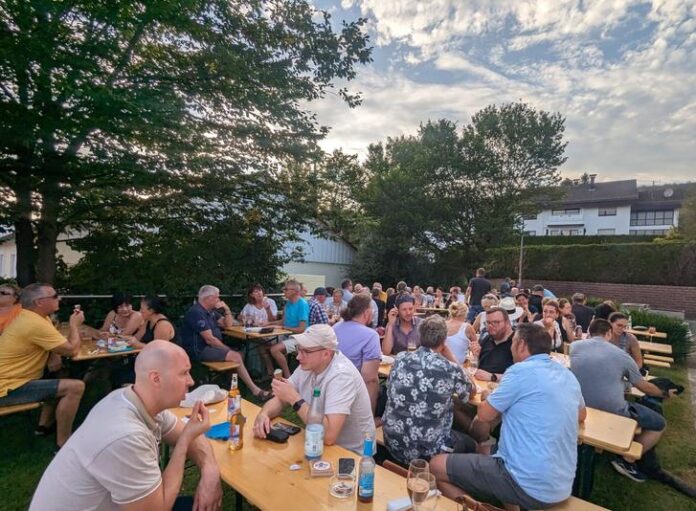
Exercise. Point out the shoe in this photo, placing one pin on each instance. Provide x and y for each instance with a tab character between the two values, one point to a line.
629	470
264	395
45	430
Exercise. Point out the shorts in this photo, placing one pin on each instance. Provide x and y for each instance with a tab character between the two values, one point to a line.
290	344
213	354
31	392
485	475
646	418
474	310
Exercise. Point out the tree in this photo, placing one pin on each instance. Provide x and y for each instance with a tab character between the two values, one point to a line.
687	215
159	109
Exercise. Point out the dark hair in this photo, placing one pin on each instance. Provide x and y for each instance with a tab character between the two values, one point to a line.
157	304
505	313
330	290
356	306
251	289
603	311
119	299
535	336
403	299
375	293
615	316
599	327
401	286
346	283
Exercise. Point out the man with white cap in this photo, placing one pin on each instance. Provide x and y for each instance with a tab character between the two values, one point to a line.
346	403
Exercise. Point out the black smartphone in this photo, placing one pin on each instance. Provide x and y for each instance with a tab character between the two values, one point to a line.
277	435
288	428
346	466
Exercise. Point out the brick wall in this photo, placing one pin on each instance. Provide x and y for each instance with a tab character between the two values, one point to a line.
658	297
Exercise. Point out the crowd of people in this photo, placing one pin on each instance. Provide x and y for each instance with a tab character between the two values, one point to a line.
514	440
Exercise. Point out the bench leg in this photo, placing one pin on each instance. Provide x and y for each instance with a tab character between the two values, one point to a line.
584	474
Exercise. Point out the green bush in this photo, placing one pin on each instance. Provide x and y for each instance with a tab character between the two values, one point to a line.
666	263
585	240
677	331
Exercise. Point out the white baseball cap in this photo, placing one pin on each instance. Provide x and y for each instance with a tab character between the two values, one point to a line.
318	336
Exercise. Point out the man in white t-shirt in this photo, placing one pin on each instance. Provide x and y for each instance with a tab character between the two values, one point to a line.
112	461
346	403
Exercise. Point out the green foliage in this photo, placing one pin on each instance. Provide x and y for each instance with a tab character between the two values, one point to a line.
158	109
687	216
677	331
671	263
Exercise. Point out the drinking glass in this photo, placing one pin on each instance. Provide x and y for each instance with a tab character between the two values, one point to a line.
423	491
416	467
473	364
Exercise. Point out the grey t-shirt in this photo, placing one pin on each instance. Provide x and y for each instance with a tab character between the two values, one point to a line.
343	392
112	459
601	367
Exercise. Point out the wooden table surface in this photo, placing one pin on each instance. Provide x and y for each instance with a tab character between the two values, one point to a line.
89	351
607	431
655	347
87	333
645	333
238	332
260	471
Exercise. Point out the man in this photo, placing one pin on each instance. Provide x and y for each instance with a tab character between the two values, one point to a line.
346	404
478	286
493	349
25	346
9	304
360	343
601	367
402	327
295	318
382	293
365	291
317	307
380	308
535	299
583	314
201	336
506	288
540	404
401	289
418	417
112	460
347	287
622	339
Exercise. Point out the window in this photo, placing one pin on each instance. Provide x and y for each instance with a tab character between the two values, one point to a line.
2	265
663	217
530	233
648	232
529	217
606	231
13	265
565	212
565	232
607	212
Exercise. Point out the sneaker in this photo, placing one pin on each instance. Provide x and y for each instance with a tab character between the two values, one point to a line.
45	430
629	470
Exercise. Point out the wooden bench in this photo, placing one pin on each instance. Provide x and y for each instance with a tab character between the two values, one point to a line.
660	358
635	452
576	504
25	407
218	369
655	363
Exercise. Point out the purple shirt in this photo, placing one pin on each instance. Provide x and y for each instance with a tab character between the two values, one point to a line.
401	339
357	342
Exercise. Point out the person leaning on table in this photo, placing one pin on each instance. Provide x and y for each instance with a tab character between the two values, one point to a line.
25	346
112	460
541	405
346	403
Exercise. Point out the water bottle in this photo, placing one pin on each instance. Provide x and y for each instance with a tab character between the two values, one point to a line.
314	431
366	479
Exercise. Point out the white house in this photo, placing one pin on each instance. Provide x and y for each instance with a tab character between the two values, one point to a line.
613	207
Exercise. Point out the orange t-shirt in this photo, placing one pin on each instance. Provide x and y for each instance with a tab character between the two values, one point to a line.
8	317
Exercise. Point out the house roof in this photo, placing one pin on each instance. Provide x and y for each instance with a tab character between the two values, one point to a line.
608	192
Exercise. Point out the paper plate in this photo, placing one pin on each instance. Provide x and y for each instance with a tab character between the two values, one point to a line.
207	393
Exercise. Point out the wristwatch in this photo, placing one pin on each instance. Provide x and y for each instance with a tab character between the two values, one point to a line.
494	377
298	404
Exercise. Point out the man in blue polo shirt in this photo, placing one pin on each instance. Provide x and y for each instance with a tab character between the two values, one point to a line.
295	319
541	405
201	336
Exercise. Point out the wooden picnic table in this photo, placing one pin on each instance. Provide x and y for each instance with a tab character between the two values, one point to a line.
260	472
89	351
87	333
646	333
239	332
655	347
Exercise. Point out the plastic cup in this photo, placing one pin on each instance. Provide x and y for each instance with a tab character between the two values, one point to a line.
342	486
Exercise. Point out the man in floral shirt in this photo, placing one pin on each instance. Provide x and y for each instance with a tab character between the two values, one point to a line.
420	403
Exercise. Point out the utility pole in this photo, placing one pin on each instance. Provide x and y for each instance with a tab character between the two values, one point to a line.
519	272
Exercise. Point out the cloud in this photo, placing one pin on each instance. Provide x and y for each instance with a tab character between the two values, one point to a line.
621	71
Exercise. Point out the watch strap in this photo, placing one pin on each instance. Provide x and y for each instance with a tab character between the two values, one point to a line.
298	404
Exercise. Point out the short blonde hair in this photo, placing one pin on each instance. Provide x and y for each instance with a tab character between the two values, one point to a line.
489	300
457	309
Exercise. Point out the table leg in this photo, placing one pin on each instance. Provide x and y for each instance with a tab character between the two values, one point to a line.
584	475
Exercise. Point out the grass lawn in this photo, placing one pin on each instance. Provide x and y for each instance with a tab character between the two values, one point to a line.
24	457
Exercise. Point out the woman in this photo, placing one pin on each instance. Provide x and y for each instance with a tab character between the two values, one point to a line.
9	304
336	306
121	319
155	325
622	339
459	332
259	307
566	320
419	297
549	315
439	302
488	301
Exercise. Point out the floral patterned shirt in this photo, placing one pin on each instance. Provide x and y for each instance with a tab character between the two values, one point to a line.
419	412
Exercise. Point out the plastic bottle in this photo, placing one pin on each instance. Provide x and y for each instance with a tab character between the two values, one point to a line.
366	478
314	431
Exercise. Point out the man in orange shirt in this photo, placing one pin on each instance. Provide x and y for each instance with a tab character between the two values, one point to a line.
9	304
24	349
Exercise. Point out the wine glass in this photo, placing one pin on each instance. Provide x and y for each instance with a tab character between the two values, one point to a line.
423	491
416	467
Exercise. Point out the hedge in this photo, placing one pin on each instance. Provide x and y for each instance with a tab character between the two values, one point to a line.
665	263
584	240
677	331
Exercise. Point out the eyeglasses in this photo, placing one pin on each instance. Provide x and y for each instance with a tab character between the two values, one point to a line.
305	351
290	289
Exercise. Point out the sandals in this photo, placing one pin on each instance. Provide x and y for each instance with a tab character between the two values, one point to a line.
264	395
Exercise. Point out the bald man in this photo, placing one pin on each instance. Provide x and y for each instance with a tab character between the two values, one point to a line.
112	460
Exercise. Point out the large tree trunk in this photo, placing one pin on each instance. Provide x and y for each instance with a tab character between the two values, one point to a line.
24	236
47	232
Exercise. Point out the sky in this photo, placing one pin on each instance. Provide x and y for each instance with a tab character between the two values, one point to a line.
623	73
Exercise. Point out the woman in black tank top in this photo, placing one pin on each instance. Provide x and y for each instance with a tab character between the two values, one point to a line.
156	324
